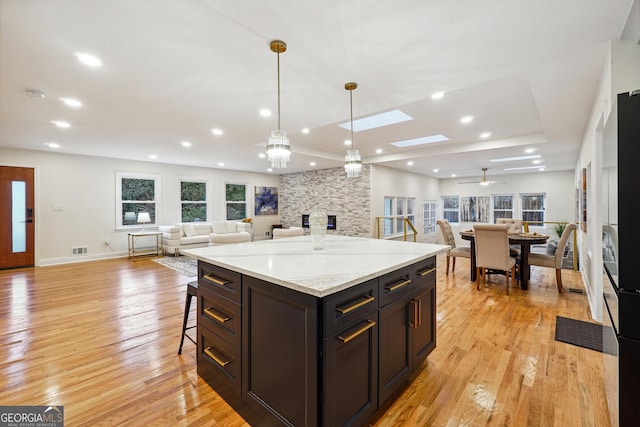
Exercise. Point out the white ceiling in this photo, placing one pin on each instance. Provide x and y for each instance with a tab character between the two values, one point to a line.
172	70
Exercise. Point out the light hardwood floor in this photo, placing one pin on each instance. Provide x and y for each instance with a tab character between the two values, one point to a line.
101	339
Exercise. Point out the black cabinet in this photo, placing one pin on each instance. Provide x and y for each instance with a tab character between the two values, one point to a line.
299	360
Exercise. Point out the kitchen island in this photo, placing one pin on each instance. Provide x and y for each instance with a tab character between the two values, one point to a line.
289	335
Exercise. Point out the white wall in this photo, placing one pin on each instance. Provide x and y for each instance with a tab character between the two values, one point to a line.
392	182
75	200
621	73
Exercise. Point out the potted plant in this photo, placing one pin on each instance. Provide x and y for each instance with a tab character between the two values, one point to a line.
559	228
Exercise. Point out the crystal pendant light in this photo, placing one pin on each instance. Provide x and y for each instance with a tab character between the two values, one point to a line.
352	160
278	149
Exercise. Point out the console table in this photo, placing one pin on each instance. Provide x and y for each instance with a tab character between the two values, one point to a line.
153	248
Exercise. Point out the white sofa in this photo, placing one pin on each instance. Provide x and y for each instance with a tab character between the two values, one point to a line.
281	233
189	235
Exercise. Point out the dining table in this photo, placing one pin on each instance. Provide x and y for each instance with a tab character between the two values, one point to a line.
524	240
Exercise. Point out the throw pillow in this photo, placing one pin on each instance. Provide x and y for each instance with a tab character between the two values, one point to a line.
552	245
219	227
231	226
188	230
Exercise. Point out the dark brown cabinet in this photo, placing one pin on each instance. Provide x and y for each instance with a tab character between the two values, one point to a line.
299	360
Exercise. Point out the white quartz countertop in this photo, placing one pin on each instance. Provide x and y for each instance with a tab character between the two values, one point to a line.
292	263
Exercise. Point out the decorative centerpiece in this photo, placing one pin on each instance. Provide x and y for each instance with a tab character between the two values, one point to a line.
318	225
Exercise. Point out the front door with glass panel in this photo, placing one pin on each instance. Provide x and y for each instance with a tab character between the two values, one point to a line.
16	217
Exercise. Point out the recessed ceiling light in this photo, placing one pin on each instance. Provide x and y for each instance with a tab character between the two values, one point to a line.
61	124
409	163
522	168
262	155
220	164
541	169
484	135
514	159
437	95
529	150
185	144
305	130
265	113
536	162
52	144
436	170
71	102
153	156
347	142
466	119
453	175
269	170
312	164
379	151
419	141
90	60
217	131
378	120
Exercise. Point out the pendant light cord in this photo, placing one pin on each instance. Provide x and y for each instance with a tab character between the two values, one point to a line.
278	90
353	143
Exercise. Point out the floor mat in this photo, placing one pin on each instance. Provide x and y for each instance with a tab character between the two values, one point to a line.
586	334
182	264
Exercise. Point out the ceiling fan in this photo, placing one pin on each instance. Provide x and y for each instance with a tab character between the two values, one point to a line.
483	181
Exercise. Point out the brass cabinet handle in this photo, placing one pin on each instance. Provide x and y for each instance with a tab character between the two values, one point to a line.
427	271
215	316
365	301
413	323
419	304
370	324
209	352
398	285
215	280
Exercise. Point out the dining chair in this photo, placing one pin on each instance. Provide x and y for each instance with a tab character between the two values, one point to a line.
449	239
515	225
492	252
555	260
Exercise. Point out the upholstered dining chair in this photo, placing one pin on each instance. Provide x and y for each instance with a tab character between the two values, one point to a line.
492	251
555	260
449	239
515	226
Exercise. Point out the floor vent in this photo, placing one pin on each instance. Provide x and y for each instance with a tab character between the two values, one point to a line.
80	250
575	290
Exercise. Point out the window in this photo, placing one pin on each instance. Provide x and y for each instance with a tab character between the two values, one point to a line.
236	198
502	207
388	211
400	201
193	200
429	211
451	208
533	207
411	201
136	194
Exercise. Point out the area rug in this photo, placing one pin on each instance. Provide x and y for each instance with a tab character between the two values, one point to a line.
182	264
585	334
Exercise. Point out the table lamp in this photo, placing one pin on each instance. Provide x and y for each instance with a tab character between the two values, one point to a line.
144	218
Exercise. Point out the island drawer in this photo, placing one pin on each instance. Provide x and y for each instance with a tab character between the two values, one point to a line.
349	306
395	285
425	272
218	361
220	280
219	314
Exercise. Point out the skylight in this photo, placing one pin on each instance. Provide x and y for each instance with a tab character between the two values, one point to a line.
513	159
419	141
378	120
